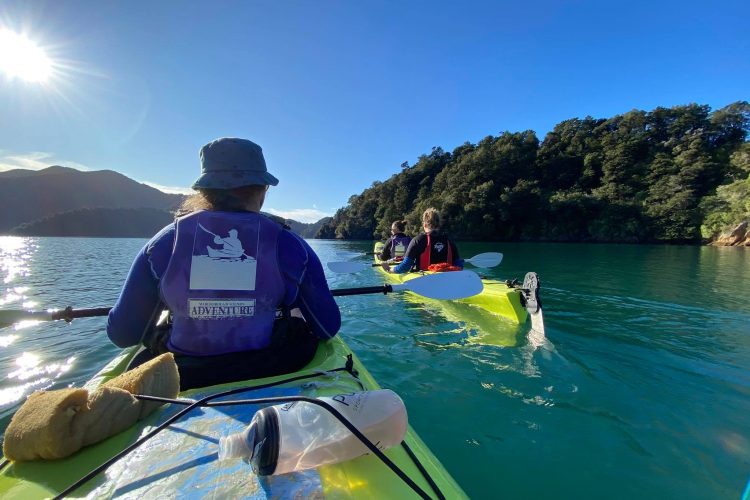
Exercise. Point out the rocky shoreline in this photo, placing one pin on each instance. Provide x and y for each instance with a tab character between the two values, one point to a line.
737	237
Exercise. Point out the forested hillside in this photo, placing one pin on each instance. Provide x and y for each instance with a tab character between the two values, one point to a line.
669	175
308	230
29	195
99	222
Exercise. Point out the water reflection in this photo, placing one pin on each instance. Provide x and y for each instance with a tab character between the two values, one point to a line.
6	340
44	273
26	370
15	252
26	324
32	373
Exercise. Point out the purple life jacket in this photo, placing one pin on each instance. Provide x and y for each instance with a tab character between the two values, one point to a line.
223	284
399	244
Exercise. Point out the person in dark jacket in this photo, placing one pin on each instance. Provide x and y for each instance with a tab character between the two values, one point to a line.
395	247
430	247
247	297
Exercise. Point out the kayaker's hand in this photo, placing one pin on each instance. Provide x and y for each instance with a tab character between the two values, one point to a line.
386	267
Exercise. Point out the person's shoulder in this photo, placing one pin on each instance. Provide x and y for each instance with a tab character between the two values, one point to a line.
276	219
295	243
164	237
291	236
165	231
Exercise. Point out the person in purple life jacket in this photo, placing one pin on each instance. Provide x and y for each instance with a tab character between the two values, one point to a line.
395	246
229	318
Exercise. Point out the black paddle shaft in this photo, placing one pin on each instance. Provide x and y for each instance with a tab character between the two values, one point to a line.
362	291
69	314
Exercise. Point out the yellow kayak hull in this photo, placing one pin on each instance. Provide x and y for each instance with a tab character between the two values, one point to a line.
496	298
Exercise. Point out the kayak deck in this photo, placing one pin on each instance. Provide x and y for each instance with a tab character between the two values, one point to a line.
181	460
497	297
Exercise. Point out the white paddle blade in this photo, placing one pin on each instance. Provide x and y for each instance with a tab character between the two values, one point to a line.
445	286
533	305
347	267
487	259
537	321
348	255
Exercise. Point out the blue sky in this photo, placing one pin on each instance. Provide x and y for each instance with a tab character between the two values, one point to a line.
339	94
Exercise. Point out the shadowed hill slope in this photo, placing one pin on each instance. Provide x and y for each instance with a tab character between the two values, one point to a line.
27	195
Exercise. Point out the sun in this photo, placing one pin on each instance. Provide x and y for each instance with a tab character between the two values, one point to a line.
21	58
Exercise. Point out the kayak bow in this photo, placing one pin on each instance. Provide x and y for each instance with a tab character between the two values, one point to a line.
181	459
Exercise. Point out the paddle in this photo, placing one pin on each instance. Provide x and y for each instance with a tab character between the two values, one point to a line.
530	291
442	286
348	255
487	259
8	318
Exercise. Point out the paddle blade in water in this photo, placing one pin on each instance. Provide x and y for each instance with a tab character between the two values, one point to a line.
347	267
537	321
445	286
487	259
533	304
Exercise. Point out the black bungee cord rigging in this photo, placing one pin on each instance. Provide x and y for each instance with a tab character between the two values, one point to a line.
207	401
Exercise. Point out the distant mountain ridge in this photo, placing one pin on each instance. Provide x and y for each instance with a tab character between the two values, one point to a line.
30	195
63	201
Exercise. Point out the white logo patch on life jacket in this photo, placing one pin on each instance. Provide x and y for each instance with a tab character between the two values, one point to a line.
438	246
220	309
221	262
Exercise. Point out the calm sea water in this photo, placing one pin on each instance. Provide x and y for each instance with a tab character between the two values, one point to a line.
641	388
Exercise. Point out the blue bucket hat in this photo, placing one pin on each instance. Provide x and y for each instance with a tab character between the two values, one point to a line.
229	163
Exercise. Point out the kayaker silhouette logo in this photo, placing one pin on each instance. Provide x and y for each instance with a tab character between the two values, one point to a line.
220	257
439	246
232	247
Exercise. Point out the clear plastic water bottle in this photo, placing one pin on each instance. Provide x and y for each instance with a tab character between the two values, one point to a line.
299	435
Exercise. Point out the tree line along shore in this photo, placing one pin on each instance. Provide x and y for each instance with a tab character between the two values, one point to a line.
670	175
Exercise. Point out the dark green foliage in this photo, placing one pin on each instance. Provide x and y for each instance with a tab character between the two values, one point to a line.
640	176
305	230
99	222
731	204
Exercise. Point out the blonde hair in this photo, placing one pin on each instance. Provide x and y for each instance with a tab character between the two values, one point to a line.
225	200
431	218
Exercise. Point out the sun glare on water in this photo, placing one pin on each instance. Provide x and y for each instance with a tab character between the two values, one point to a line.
22	58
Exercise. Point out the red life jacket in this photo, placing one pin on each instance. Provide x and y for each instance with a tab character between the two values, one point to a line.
425	258
442	267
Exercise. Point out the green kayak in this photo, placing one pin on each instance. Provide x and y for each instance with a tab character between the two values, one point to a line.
497	297
180	459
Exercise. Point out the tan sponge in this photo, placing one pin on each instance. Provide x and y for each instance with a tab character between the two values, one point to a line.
56	424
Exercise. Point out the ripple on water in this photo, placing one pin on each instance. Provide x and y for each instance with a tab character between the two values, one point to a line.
639	390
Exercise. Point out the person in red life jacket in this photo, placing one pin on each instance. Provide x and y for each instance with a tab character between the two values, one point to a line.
395	247
247	297
431	250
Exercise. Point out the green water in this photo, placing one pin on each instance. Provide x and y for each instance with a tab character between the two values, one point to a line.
639	390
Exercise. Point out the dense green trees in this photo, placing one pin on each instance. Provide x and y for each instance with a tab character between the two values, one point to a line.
671	174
